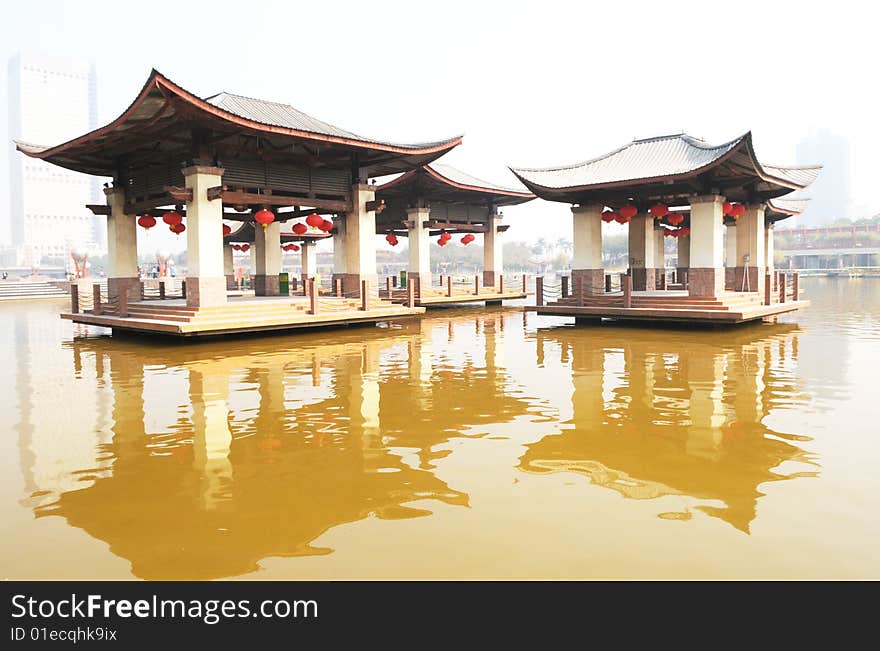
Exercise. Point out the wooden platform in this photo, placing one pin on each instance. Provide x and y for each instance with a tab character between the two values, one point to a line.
436	296
671	306
243	314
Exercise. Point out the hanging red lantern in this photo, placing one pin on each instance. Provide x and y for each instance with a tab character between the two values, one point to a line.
609	216
314	220
236	247
147	221
737	210
675	218
659	210
264	217
177	228
628	212
466	239
326	226
172	217
620	218
226	230
299	228
685	231
726	208
294	247
245	247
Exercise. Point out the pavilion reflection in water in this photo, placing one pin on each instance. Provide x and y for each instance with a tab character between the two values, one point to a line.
683	418
269	450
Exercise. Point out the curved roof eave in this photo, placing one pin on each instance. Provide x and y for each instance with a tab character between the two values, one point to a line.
160	82
444	179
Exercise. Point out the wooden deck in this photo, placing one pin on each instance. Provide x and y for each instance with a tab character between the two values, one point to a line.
671	306
243	314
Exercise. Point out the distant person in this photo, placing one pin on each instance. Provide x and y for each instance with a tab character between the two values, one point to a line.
5	275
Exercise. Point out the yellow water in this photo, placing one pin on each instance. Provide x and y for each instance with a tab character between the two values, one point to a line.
472	444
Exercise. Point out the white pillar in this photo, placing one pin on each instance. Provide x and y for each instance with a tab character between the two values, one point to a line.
122	272
659	251
309	260
267	251
768	249
586	264
205	282
706	275
750	242
493	251
730	256
356	239
641	252
419	246
683	256
228	266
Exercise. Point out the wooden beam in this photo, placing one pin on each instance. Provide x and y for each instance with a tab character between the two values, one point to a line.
377	205
456	226
234	197
98	208
216	192
181	195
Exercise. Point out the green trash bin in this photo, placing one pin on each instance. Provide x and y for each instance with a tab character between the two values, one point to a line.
284	284
403	279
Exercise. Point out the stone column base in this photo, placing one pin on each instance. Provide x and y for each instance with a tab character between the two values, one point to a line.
266	285
681	274
490	278
706	281
131	286
351	283
593	281
202	292
644	279
755	283
729	278
230	282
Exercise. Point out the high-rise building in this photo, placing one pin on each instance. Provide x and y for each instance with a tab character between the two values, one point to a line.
51	101
829	193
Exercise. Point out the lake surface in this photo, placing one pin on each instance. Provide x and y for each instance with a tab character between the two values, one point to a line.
471	444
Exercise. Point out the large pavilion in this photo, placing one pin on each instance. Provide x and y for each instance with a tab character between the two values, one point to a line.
436	199
681	186
229	157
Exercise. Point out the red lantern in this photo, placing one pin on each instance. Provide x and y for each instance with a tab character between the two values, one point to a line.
685	231
299	228
737	210
264	217
628	212
172	217
226	230
466	239
659	210
177	228
147	221
314	220
609	216
675	218
245	247
326	226
620	218
727	208
236	247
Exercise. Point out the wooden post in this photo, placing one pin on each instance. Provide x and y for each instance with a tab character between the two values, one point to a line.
394	281
500	283
626	282
161	290
449	285
768	283
388	286
365	297
782	287
74	298
539	291
96	299
525	283
662	280
294	285
410	295
795	286
123	303
337	287
417	282
441	280
579	291
183	289
477	285
565	287
313	297
607	283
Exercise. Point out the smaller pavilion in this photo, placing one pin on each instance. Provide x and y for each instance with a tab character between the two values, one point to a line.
676	185
440	200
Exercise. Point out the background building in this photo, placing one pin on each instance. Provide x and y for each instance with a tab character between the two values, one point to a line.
50	101
829	194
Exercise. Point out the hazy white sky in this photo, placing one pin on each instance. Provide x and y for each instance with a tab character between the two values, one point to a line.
528	83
